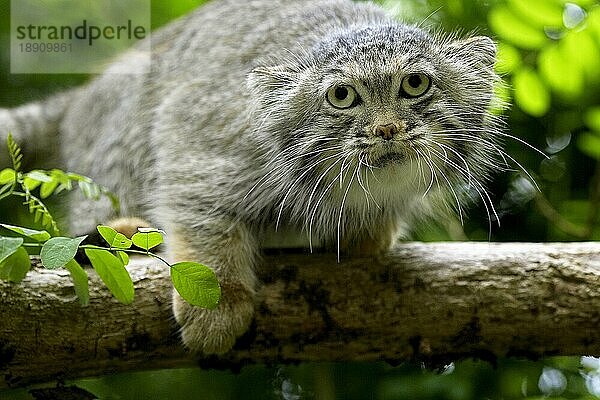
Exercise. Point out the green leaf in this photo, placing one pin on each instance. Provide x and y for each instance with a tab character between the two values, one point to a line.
531	94
30	183
196	283
147	238
58	251
564	76
89	189
540	13
589	144
35	178
580	48
92	190
509	58
32	206
515	30
114	201
112	272
37	213
15	267
48	188
113	238
60	175
63	180
593	22
5	189
76	177
123	256
38	236
8	246
592	118
38	175
7	175
63	186
46	220
581	3
80	281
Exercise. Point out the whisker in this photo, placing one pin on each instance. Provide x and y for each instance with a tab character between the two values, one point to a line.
287	163
473	139
525	143
292	185
450	186
312	217
424	158
365	189
482	192
316	186
466	164
342	203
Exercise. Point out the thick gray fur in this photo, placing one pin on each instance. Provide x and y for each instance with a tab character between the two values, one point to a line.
229	137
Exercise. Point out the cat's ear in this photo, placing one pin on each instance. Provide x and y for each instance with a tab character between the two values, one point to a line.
272	77
479	50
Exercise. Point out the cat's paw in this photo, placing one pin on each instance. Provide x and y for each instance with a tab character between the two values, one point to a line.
213	331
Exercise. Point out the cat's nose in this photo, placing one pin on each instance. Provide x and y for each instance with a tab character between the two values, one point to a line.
387	132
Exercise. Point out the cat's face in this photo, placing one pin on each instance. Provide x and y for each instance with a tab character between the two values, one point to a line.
390	98
386	101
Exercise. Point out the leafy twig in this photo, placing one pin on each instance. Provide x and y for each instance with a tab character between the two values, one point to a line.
196	283
15	153
39	210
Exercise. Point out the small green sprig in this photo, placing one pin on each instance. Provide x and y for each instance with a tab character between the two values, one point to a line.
195	282
15	182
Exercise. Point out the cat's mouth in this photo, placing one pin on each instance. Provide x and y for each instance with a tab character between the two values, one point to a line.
383	159
392	152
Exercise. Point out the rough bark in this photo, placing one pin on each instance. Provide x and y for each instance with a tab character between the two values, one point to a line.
425	302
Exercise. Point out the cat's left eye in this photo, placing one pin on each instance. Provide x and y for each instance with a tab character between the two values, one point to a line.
414	85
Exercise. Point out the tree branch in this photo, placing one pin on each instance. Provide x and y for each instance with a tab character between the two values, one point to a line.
435	303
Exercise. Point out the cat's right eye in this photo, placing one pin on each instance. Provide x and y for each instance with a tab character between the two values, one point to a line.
342	96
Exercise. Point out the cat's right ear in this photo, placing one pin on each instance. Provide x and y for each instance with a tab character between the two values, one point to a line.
479	50
269	86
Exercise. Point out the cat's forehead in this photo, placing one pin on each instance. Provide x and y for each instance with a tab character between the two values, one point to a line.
381	49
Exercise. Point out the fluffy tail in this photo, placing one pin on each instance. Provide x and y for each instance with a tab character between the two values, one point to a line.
35	126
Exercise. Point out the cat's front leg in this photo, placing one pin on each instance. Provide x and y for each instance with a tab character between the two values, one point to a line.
372	242
230	249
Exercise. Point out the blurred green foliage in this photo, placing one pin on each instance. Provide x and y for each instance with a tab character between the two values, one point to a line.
549	54
549	58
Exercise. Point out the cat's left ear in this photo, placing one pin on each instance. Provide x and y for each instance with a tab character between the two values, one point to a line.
480	50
